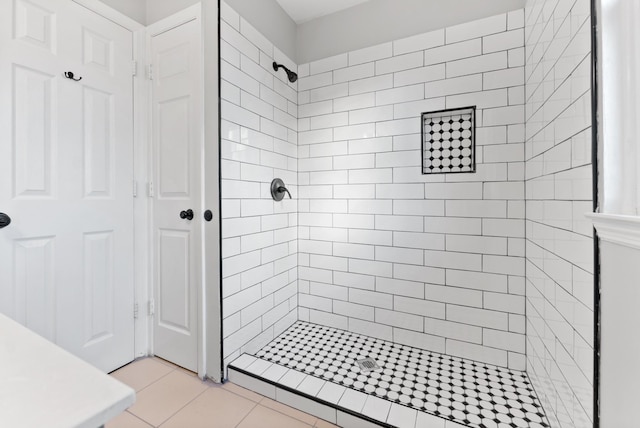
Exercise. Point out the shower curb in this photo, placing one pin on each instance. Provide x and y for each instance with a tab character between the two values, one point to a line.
270	388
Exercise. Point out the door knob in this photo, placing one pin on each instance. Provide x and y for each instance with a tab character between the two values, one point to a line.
188	214
5	220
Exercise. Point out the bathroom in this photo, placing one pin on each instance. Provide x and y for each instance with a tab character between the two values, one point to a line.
389	279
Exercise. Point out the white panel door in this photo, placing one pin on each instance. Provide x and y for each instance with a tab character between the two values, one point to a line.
177	158
66	173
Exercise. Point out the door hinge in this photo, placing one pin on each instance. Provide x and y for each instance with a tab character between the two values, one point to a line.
135	189
152	307
150	72
150	189
134	68
135	311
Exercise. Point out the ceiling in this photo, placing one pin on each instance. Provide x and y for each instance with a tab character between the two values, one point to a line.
306	10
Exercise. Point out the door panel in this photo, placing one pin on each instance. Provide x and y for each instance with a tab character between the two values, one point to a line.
175	281
98	287
177	142
34	122
98	143
173	62
97	51
35	24
35	284
66	174
174	163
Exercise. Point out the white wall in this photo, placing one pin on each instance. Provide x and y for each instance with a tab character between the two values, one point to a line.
619	237
259	143
134	9
380	21
619	352
430	261
159	9
559	192
270	20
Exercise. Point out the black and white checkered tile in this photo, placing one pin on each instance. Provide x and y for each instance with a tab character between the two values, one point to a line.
467	392
448	141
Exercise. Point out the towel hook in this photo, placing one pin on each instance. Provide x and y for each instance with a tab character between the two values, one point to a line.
69	75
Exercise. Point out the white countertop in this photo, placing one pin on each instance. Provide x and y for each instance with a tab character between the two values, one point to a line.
42	385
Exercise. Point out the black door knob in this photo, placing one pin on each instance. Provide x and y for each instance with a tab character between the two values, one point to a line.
5	220
208	215
188	214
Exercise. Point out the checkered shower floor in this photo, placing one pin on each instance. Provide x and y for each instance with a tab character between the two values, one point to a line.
454	389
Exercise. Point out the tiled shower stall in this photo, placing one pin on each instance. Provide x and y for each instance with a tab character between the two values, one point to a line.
489	272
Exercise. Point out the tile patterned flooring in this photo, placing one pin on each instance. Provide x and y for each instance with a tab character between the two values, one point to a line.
412	382
170	397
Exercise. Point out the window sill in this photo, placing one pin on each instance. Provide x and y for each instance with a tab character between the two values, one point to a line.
618	229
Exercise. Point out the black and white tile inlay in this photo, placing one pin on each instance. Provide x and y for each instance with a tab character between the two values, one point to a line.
464	391
448	141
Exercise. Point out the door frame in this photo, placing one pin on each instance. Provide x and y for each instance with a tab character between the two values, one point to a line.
212	233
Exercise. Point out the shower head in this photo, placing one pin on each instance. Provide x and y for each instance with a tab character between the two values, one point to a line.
290	74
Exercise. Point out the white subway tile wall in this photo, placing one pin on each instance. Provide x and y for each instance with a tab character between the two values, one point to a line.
259	143
372	246
559	247
435	261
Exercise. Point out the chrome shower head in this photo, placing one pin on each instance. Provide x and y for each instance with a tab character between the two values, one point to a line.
290	74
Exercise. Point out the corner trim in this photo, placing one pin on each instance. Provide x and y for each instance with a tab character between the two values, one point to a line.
618	229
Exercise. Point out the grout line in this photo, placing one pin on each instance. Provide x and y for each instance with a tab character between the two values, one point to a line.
158	379
139	418
186	404
248	413
293	408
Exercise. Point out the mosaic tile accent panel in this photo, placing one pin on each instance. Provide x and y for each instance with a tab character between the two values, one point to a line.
456	389
448	141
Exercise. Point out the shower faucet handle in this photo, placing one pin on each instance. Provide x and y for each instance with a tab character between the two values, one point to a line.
278	189
284	189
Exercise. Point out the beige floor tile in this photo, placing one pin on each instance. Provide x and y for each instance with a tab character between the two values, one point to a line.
161	400
289	411
215	404
163	361
232	387
186	371
142	373
127	420
174	366
324	424
264	417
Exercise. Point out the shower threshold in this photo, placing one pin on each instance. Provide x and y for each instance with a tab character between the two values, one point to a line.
315	369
